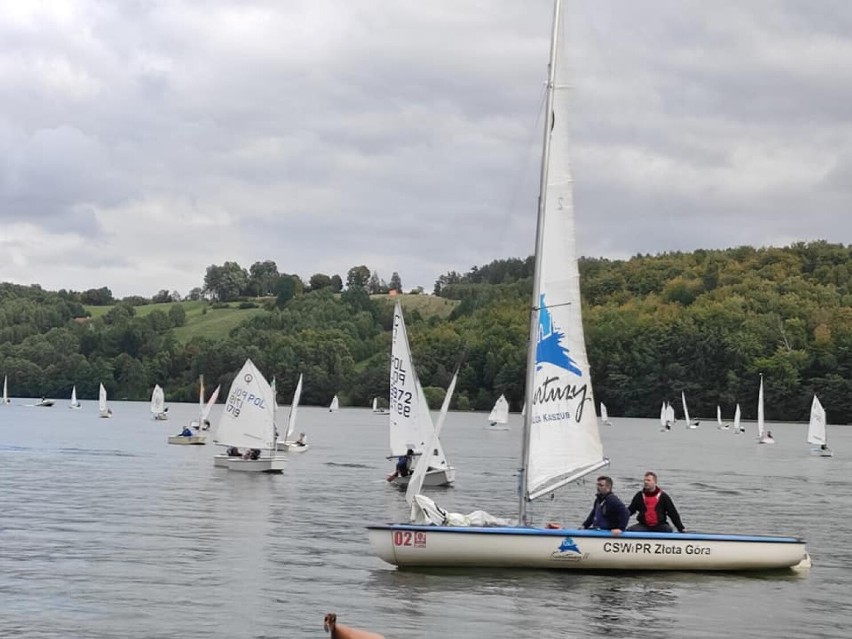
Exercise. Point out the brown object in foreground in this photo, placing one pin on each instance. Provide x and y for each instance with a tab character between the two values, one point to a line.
339	631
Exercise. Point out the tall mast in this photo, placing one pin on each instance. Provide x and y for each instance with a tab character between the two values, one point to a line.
539	242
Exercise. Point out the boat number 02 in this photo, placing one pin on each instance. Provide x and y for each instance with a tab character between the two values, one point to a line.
409	538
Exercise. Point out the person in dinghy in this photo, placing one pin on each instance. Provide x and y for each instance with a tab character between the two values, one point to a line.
608	511
404	464
653	507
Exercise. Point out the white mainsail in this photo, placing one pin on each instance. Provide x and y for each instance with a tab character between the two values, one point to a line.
248	420
604	414
719	415
562	442
375	404
410	424
102	402
737	415
158	400
685	409
294	409
663	414
816	425
5	389
670	414
335	404
760	423
500	413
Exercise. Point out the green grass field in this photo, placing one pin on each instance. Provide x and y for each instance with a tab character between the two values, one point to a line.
216	323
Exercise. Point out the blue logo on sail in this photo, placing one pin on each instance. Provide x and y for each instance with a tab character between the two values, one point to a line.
549	348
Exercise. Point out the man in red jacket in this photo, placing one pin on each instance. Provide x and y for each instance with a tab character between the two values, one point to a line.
653	506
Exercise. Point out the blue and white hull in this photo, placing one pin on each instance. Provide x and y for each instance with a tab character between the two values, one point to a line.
409	546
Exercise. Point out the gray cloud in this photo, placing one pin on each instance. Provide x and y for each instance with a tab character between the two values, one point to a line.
144	141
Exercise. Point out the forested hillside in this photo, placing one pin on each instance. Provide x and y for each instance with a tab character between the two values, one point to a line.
707	322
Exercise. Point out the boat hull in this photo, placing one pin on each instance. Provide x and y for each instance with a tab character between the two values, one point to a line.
434	478
568	549
195	440
262	465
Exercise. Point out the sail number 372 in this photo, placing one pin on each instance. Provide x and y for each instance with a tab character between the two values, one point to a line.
400	399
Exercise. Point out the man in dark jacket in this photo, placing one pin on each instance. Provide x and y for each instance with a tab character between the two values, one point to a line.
653	506
608	511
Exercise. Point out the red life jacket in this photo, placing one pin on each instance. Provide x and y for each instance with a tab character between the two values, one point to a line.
651	500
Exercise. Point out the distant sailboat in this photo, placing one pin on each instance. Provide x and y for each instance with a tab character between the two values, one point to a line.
103	410
335	404
739	429
377	410
158	404
499	415
722	426
605	415
287	443
74	402
188	436
6	390
816	430
690	424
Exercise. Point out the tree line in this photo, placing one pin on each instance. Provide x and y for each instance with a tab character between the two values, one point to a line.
707	323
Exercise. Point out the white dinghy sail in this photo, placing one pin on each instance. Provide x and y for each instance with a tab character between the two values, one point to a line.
103	409
690	424
605	415
410	424
299	445
6	390
158	403
74	403
763	436
816	430
499	415
248	423
561	440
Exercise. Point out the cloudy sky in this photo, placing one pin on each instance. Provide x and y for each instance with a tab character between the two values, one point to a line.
144	140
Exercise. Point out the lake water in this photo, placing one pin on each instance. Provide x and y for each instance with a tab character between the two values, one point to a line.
107	531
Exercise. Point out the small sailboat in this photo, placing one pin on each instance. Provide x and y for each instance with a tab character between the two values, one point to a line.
605	415
690	424
300	444
499	415
665	424
377	410
739	429
722	425
74	403
561	440
158	404
334	406
103	409
6	390
410	424
248	423
763	436
816	430
189	435
45	403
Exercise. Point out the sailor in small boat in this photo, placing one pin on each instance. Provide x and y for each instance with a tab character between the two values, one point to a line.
302	441
608	511
186	432
403	465
233	451
653	506
206	425
252	454
824	449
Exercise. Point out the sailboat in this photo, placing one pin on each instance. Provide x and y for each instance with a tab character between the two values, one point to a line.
103	410
665	424
739	429
158	404
499	415
690	424
334	405
287	443
763	436
74	403
44	402
816	430
189	434
377	410
605	415
561	441
722	425
248	422
6	390
410	424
